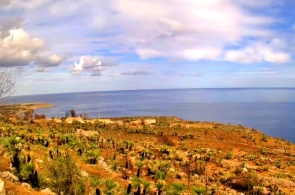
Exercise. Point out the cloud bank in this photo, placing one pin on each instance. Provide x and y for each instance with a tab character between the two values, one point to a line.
19	49
187	30
197	43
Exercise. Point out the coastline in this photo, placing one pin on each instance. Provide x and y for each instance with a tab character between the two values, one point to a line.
18	109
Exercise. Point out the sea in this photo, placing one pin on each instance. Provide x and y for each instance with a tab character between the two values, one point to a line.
270	110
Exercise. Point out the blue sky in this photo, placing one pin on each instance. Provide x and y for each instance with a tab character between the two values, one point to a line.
95	45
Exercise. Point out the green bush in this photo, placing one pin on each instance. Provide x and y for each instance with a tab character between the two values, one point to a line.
229	155
175	188
26	170
110	187
64	175
196	190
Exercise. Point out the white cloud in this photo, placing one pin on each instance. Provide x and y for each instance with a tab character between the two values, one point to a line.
247	55
49	60
276	57
170	27
148	53
202	53
259	52
91	65
174	28
190	30
18	49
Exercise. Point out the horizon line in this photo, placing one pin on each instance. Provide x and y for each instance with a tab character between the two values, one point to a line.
72	92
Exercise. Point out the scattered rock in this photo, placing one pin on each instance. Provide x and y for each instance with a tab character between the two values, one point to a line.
265	191
26	185
9	176
2	189
86	133
104	164
84	174
47	191
11	167
244	170
196	176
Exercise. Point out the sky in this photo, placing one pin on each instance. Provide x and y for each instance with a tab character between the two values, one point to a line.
100	45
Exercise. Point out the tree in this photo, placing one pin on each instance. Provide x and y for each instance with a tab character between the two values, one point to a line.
73	113
8	78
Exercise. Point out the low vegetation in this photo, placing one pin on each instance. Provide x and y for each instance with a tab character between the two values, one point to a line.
144	155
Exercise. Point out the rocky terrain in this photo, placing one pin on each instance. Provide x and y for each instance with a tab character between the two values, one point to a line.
141	155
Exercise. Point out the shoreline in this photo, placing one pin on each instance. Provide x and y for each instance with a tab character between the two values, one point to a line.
18	109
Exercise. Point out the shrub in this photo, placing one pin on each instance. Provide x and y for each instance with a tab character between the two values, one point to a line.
175	188
265	168
160	175
92	155
165	139
244	182
252	157
110	187
264	151
196	190
200	167
64	175
26	170
29	174
264	139
229	155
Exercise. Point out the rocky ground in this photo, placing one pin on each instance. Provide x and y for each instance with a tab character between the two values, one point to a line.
145	155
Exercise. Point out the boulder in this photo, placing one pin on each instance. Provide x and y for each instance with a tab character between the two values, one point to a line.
2	189
149	121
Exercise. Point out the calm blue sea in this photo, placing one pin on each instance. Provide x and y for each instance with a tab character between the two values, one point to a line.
271	110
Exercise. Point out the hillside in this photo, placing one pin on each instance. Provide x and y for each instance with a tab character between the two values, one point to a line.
142	155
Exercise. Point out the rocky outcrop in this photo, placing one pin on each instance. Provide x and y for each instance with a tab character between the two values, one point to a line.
9	176
2	189
149	121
